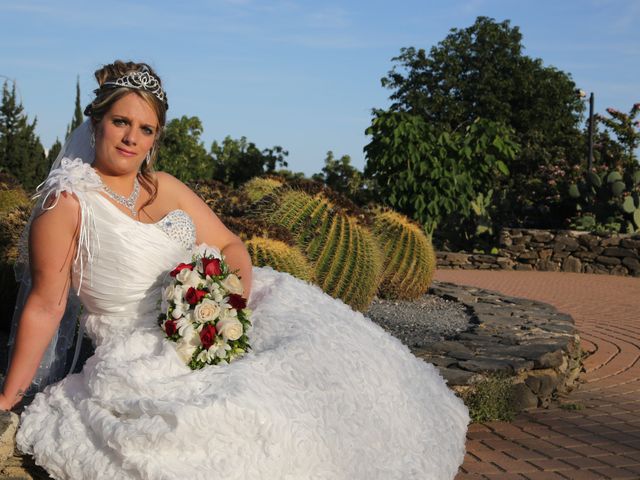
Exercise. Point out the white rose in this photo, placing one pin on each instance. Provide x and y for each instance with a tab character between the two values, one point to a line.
167	293
178	294
185	351
189	278
178	311
229	328
206	311
183	275
186	330
232	284
228	313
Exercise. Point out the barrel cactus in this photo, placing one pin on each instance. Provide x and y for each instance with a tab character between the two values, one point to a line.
259	187
279	256
409	259
346	259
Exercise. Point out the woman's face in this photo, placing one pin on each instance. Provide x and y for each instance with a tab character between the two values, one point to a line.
125	135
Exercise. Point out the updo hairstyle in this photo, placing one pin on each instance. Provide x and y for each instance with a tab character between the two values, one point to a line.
106	96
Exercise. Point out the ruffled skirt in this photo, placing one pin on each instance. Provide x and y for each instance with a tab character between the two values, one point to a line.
324	394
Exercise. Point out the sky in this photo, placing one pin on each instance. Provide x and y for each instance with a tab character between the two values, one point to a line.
301	74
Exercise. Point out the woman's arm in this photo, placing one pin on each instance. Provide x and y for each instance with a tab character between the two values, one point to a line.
210	229
52	243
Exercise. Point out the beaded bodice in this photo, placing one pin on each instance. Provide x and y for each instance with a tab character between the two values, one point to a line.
178	225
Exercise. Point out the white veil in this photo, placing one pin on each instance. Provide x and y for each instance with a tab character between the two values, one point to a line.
55	363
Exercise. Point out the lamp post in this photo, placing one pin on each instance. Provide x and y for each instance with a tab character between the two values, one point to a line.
582	94
590	157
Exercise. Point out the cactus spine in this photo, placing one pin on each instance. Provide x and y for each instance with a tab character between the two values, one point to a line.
279	256
259	187
409	258
347	262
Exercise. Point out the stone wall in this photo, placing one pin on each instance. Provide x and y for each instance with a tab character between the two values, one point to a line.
555	250
537	346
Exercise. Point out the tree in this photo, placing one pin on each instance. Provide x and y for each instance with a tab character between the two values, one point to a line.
481	72
625	126
53	152
21	153
435	176
182	153
236	161
341	176
78	117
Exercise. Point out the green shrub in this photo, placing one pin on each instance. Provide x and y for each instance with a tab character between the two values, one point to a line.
491	399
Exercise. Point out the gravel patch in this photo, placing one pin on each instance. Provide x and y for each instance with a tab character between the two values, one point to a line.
425	320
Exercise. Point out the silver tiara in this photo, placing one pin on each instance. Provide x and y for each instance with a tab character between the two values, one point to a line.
142	80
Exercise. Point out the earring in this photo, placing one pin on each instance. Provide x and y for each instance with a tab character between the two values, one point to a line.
92	139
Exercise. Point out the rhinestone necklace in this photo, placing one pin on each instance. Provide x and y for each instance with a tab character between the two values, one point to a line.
129	202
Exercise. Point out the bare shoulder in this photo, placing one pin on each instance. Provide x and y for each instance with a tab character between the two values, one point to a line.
61	212
170	187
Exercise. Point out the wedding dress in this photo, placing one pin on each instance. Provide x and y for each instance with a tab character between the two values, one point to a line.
324	393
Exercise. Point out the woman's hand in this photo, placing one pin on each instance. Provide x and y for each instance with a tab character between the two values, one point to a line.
5	404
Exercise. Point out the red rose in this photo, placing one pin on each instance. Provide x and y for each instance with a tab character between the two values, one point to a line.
193	296
181	267
237	301
207	336
211	266
170	327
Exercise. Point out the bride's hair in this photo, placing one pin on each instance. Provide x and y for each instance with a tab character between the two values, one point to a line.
106	96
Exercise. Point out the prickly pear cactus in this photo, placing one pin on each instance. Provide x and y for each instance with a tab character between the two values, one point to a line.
279	256
409	258
608	201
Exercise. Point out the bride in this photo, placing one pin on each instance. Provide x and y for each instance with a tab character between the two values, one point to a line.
323	394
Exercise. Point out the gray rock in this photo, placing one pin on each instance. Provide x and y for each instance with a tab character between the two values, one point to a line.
440	361
585	255
610	242
547	266
631	263
533	382
608	260
619	252
548	383
568	242
486	364
588	240
505	263
542	356
523	266
456	377
529	255
523	397
8	427
619	270
541	236
630	243
572	264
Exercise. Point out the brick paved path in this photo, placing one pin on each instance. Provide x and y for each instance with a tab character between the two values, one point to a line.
601	441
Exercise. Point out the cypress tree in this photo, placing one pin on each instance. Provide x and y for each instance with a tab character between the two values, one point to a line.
78	117
53	152
21	153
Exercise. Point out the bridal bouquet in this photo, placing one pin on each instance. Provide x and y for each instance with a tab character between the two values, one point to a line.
204	312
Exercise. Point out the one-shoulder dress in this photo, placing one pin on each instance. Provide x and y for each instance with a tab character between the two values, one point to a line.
324	393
